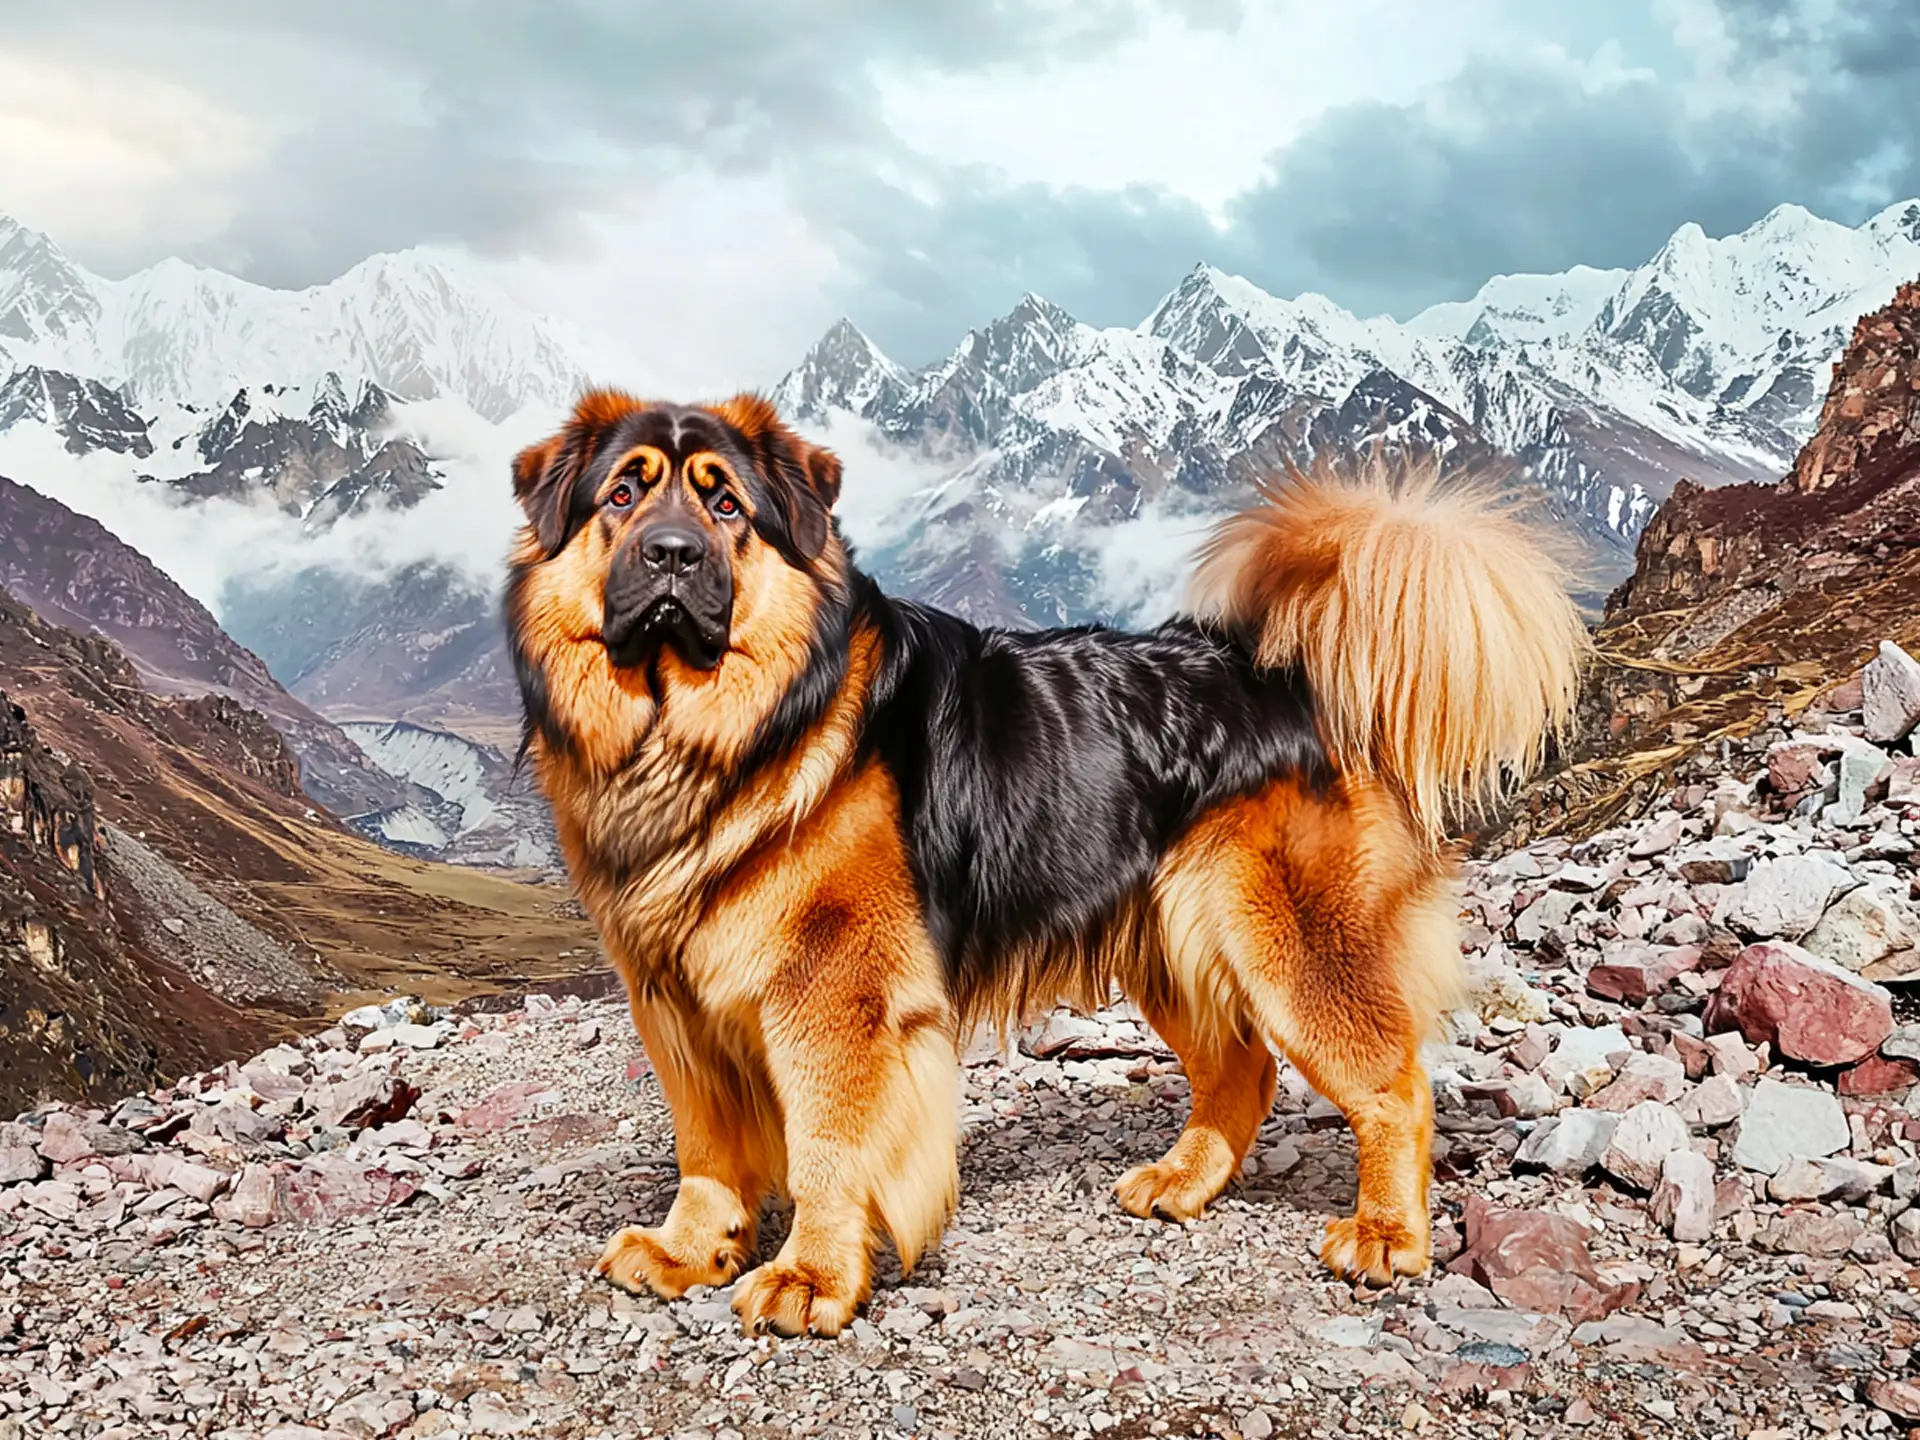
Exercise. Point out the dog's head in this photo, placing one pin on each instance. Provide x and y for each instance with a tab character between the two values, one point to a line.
665	543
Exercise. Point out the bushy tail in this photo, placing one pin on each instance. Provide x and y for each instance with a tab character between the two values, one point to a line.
1431	621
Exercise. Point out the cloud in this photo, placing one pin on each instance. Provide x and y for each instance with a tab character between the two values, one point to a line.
1534	158
468	524
378	126
715	182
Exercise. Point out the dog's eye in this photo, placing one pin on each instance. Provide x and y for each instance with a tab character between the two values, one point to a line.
726	507
620	497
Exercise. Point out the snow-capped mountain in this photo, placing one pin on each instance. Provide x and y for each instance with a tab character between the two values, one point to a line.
320	457
179	334
1045	470
1045	441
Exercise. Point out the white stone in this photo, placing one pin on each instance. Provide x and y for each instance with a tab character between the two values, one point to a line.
1496	991
1646	1135
1786	897
1582	1049
1787	1121
1890	686
1571	1143
1550	912
1683	1200
1865	925
1837	1178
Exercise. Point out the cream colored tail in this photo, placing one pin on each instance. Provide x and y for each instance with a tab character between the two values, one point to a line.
1432	623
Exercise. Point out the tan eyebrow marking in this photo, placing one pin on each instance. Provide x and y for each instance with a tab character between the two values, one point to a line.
709	472
652	462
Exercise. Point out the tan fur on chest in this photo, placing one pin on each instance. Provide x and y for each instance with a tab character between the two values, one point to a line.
686	869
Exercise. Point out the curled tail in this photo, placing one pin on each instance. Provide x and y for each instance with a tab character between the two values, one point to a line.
1432	623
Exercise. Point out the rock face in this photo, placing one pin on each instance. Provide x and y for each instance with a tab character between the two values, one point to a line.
1747	601
71	571
1871	422
81	990
86	413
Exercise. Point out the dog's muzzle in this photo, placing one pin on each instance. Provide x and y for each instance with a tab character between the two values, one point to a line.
669	585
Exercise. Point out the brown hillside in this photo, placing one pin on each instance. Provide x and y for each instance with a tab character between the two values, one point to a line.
1748	602
171	897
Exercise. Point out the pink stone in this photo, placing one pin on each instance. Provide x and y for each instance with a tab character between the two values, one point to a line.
1795	768
1537	1261
251	1202
1877	1075
333	1187
503	1105
1632	978
1806	1008
373	1098
64	1139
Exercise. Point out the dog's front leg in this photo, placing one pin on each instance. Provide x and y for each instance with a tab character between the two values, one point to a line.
707	1237
859	1045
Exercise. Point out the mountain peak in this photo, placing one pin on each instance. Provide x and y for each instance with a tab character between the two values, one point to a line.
1900	221
842	370
44	296
183	333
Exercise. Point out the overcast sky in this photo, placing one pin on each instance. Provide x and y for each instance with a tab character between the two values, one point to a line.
714	182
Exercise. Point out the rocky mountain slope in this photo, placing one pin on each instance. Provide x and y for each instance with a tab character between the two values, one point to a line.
1748	603
88	1008
71	571
171	893
1676	1171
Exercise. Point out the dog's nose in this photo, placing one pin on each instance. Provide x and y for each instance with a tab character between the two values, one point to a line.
674	549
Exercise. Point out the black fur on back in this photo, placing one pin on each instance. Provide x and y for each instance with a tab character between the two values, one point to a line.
1043	775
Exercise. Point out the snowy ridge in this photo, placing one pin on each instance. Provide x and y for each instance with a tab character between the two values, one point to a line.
453	768
179	334
481	817
1041	438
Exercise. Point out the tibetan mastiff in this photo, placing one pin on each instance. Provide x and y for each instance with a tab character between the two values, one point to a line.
826	833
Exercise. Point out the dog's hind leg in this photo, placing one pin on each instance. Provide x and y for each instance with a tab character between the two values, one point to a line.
1232	1074
707	1237
1337	929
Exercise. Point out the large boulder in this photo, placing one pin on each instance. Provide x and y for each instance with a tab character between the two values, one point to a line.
1785	1122
1890	693
1805	1007
1786	897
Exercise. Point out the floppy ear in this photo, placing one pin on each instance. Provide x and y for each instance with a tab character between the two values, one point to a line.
805	478
543	484
809	496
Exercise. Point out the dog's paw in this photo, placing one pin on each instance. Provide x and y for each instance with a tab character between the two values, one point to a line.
1357	1249
794	1299
639	1260
1182	1182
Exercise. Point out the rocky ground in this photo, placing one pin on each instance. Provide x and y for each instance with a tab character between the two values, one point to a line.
1678	1162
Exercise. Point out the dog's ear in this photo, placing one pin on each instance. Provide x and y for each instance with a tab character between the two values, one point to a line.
543	484
804	479
544	474
812	486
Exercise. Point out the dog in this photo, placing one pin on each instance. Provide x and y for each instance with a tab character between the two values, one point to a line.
826	833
